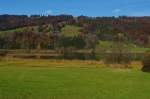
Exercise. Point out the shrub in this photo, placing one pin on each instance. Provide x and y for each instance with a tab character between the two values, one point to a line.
146	62
2	54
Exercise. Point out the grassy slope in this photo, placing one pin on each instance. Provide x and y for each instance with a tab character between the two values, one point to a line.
16	30
28	28
70	31
130	46
36	80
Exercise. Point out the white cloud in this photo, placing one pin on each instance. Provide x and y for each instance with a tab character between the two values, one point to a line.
49	12
116	10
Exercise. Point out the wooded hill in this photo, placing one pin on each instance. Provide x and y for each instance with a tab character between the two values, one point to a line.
67	31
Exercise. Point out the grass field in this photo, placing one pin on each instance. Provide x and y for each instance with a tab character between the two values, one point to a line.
44	79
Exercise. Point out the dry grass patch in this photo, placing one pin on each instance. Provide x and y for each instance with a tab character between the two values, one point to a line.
52	63
63	63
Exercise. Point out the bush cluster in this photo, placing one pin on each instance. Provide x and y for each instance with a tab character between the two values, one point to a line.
146	62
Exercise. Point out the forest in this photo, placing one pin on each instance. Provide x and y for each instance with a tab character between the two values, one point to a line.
27	31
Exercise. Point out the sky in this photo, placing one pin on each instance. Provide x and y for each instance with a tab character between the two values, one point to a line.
76	7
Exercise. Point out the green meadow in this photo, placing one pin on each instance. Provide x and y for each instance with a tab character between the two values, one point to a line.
54	79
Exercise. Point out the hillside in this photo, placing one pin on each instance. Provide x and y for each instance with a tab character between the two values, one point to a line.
51	32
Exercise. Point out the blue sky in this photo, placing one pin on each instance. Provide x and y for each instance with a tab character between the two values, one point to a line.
77	7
